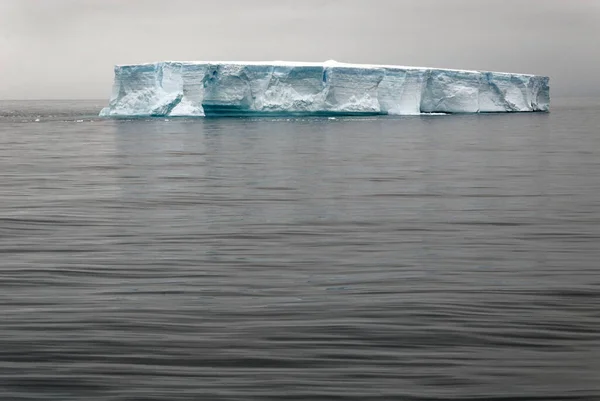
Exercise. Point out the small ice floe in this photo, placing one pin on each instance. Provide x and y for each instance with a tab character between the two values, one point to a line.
166	119
332	118
37	120
79	121
343	288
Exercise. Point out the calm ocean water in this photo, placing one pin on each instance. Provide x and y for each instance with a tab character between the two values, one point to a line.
417	258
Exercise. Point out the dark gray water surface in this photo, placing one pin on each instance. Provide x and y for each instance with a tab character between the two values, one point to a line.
418	258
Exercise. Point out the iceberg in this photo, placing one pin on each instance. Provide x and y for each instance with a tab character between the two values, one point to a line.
197	89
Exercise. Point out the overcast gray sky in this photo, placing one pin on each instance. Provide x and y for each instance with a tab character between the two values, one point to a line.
67	48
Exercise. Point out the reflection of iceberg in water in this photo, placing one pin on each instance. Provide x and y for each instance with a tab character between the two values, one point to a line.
214	170
331	88
221	184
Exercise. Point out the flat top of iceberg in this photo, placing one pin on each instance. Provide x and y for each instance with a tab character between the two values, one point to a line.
328	63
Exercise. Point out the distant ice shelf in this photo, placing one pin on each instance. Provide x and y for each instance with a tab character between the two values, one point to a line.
221	88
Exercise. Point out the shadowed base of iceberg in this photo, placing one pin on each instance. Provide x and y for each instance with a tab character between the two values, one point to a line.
198	89
236	111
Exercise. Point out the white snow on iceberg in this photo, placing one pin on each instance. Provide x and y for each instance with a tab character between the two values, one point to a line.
330	88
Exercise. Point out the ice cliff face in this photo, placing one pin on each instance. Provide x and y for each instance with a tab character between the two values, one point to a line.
236	88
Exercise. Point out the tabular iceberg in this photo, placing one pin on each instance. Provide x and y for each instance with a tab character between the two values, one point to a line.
330	88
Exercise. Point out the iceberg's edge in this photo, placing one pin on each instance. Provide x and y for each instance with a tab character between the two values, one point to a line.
199	89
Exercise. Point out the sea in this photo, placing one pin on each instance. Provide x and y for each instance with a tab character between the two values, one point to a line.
433	257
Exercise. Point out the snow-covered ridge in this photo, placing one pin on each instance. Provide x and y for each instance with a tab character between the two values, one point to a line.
278	87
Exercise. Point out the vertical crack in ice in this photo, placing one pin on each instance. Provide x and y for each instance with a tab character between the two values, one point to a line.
159	74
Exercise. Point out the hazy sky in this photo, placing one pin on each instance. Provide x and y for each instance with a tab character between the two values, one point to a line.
67	48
